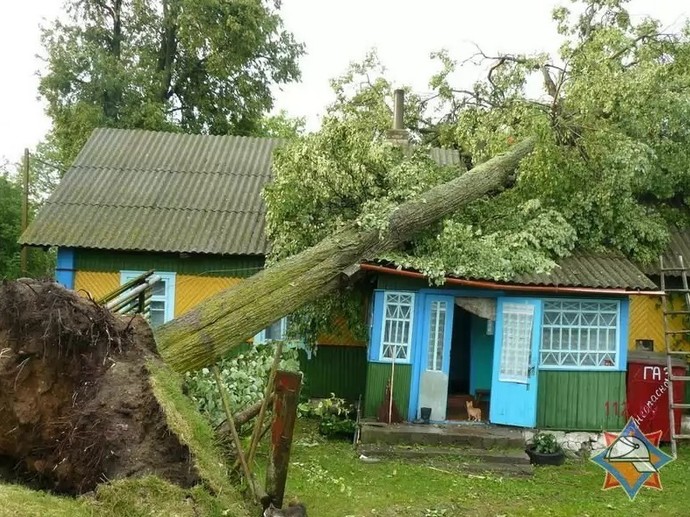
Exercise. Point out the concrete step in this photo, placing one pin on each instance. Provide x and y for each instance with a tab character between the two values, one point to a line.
454	460
493	456
479	436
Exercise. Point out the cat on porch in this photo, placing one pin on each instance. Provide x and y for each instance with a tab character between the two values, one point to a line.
473	413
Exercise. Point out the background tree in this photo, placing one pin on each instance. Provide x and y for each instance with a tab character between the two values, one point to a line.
199	66
39	263
610	170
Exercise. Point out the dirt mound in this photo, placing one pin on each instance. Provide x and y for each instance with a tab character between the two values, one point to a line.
76	403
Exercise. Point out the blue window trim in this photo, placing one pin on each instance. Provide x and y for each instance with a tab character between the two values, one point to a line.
169	277
622	331
375	345
64	268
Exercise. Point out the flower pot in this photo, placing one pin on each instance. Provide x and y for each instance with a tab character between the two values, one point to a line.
545	458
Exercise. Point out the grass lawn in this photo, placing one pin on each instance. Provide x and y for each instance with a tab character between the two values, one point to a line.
332	482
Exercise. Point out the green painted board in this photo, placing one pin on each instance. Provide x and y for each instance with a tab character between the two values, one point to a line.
581	401
235	266
341	370
378	375
400	283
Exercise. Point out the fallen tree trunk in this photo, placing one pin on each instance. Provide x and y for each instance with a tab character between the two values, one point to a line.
215	326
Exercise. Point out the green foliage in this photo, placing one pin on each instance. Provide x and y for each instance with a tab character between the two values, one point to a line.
335	415
199	66
244	377
280	126
10	226
545	443
39	263
610	171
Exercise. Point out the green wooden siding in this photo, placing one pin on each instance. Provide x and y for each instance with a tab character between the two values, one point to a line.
378	375
400	283
341	370
582	401
239	266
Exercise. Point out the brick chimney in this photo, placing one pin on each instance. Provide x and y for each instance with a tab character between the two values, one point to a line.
398	135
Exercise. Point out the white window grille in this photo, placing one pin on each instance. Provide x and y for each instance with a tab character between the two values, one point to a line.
396	337
516	342
580	334
162	303
437	329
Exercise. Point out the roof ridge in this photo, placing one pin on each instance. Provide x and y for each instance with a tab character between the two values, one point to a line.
182	134
190	209
178	171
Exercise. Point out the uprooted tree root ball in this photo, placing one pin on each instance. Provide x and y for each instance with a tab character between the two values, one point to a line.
76	402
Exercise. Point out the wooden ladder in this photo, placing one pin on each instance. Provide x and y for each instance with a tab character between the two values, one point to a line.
669	336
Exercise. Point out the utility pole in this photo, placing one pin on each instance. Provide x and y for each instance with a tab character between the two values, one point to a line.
23	257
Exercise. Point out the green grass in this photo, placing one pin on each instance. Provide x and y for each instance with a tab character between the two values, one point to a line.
195	432
332	482
143	497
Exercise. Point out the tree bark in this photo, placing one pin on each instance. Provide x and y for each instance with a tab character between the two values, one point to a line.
215	326
244	416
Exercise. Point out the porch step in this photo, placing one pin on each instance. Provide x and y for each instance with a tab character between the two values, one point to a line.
456	460
474	436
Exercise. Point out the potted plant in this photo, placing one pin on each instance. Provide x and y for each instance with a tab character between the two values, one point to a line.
545	450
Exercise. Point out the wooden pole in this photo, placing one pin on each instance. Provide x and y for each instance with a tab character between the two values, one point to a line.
23	254
285	402
258	425
233	429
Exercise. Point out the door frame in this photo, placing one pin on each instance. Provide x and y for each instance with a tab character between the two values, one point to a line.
418	344
501	389
423	348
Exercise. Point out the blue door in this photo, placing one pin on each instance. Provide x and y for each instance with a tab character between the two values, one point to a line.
516	357
437	331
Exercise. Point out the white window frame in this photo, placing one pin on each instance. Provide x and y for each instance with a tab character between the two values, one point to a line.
437	336
408	343
547	334
516	342
169	298
260	338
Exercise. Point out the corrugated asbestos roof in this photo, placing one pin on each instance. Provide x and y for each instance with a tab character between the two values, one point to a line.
155	191
606	271
679	244
169	192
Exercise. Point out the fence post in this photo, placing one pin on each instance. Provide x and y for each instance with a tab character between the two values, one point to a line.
287	388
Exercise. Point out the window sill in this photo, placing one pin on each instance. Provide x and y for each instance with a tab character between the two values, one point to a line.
582	369
389	361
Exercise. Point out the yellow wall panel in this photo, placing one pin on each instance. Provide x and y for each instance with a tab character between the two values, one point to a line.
192	289
341	335
646	321
96	283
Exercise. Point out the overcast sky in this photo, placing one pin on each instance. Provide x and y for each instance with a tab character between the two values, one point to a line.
335	33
